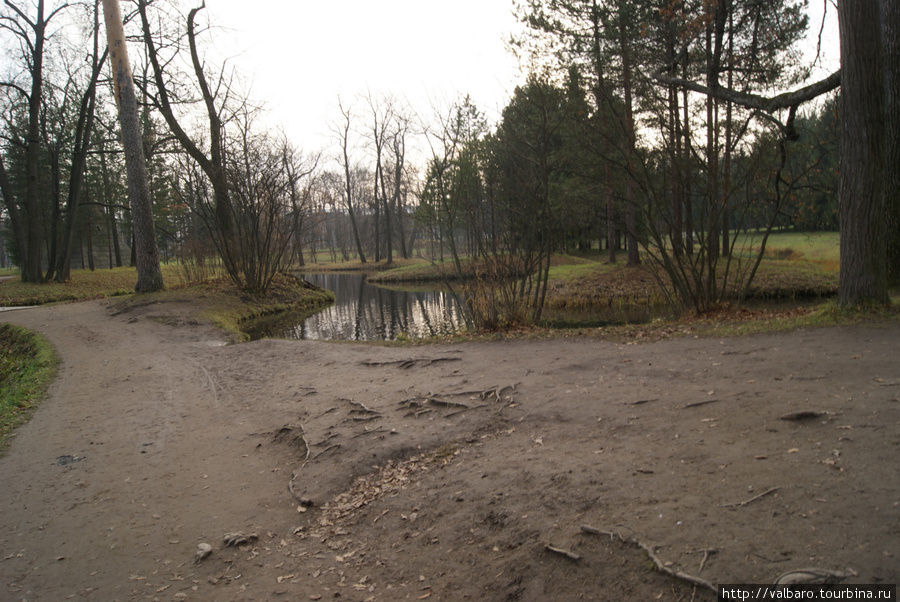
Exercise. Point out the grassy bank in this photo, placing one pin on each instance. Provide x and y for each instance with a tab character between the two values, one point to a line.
217	299
27	365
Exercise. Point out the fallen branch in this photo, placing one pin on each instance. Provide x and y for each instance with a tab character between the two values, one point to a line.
570	555
751	500
660	565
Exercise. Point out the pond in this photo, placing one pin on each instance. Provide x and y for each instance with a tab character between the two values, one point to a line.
364	312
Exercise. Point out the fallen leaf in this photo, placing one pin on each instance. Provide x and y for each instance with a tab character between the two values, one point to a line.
285	577
793	450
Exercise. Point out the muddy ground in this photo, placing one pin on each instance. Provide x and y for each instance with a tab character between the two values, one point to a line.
446	472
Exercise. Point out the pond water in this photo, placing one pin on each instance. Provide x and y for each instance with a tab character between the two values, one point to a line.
364	312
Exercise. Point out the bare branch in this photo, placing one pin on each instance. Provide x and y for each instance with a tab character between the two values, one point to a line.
754	101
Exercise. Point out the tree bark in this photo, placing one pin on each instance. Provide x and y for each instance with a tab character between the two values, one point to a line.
863	276
890	50
630	208
146	253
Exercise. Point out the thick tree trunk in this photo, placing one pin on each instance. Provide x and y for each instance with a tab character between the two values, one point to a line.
630	208
12	206
890	50
31	253
145	250
861	193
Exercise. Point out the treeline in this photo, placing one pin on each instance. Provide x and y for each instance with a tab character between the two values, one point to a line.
649	128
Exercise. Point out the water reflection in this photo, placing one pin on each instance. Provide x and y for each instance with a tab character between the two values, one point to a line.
363	312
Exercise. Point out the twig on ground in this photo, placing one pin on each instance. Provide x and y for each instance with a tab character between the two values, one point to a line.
643	401
751	500
706	554
660	565
699	403
570	555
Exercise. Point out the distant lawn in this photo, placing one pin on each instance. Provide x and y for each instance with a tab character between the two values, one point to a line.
85	284
822	248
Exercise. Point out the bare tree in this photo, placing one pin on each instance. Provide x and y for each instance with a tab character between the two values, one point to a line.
216	101
351	203
60	262
25	212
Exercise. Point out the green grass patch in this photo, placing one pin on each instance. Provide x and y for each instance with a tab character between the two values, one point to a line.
27	365
821	248
84	284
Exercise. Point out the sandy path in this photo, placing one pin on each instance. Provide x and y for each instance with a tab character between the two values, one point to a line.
175	436
136	405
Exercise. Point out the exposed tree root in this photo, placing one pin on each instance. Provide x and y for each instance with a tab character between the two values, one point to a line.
660	565
502	394
751	500
416	362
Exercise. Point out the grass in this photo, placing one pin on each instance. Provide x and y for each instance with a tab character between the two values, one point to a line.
84	285
820	248
27	365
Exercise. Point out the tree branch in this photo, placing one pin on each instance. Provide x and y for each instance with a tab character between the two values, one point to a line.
754	101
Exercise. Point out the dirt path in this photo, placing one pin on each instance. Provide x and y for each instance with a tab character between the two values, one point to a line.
446	477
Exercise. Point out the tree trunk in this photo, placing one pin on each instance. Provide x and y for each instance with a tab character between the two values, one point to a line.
863	274
31	254
890	51
146	253
630	208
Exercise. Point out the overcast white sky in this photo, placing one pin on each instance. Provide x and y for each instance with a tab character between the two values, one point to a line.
300	55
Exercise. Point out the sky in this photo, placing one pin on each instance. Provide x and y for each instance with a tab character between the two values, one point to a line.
300	56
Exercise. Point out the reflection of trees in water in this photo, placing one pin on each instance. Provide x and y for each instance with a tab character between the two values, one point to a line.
363	312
